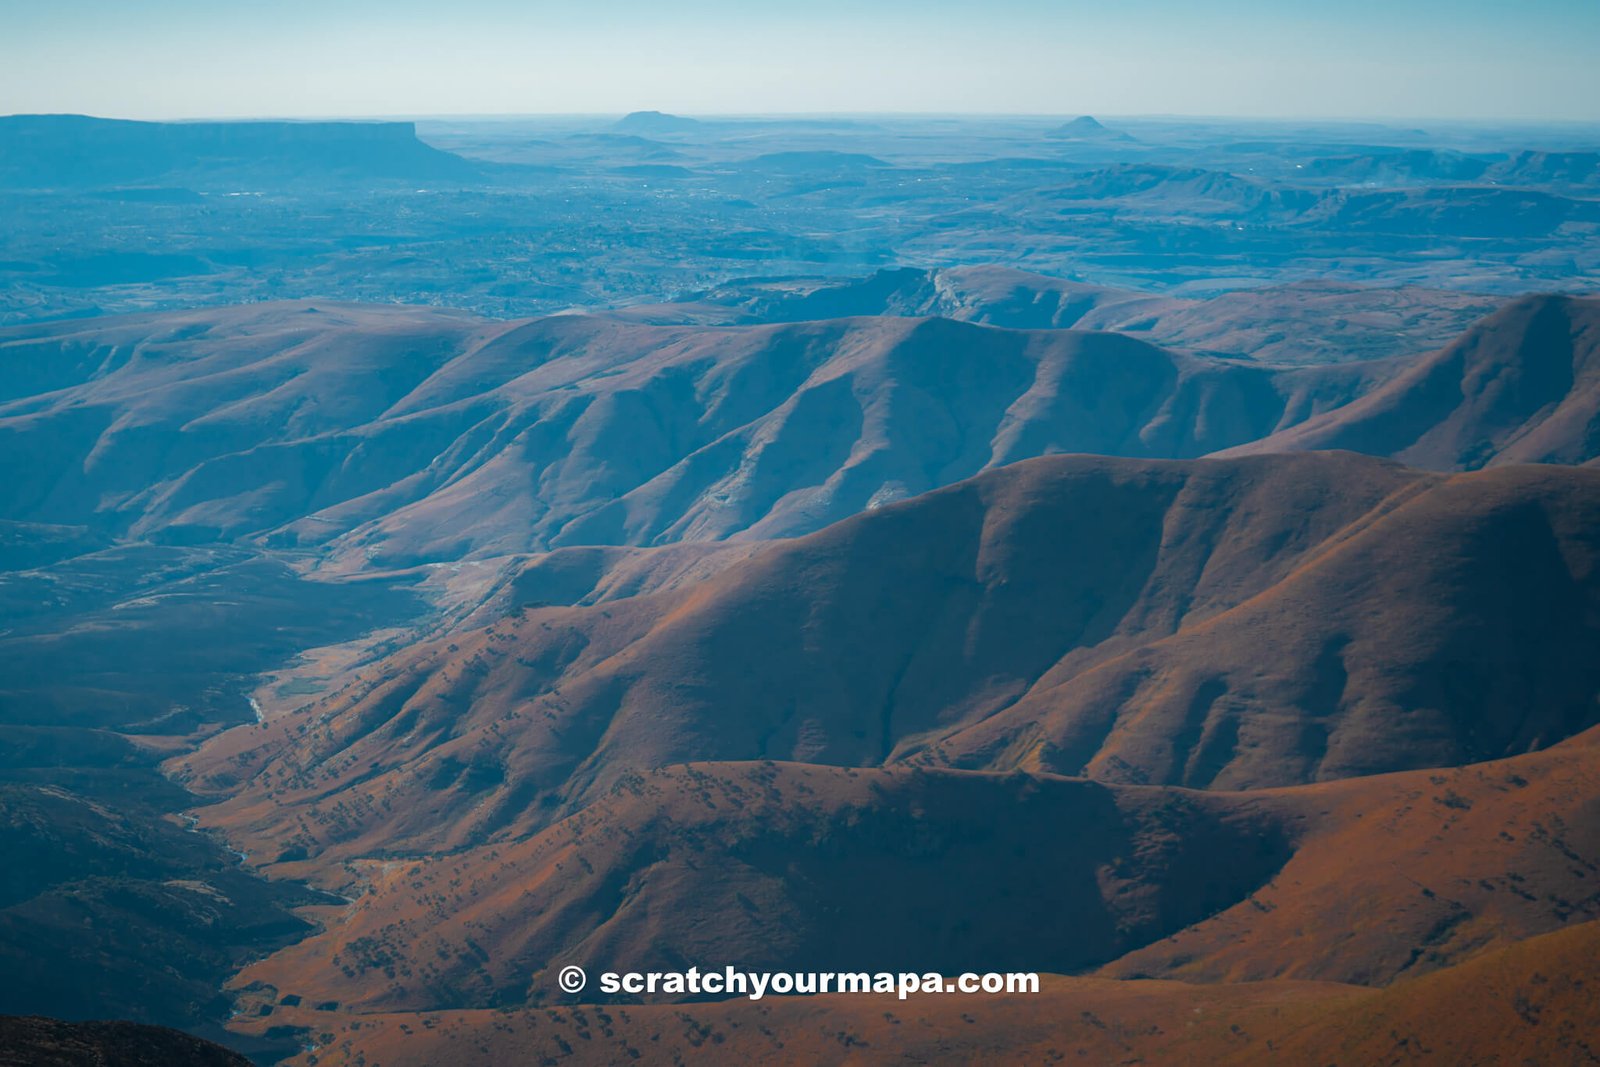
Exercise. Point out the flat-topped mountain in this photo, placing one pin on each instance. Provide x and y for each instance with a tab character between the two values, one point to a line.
647	123
54	151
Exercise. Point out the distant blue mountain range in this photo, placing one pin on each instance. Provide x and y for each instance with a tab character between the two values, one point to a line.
77	151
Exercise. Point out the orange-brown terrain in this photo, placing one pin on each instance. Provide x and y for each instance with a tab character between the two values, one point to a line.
784	862
1425	916
1530	1003
1521	386
1254	702
402	436
1242	648
1219	624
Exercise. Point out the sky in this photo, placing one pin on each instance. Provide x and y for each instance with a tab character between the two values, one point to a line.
1381	59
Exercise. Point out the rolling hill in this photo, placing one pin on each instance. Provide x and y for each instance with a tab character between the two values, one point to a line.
394	437
808	868
402	436
741	629
1295	324
1521	386
1220	624
1529	1003
1476	925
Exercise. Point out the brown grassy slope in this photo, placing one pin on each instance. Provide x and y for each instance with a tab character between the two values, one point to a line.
778	866
786	865
407	435
1521	386
1405	873
827	649
1458	624
1533	1002
1072	1020
1419	872
1223	624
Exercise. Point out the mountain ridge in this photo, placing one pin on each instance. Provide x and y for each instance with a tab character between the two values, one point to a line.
1521	386
363	432
1225	624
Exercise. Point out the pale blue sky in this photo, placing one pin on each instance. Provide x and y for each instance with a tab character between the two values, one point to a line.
1537	59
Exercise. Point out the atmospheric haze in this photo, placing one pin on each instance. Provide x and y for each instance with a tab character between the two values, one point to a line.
1427	58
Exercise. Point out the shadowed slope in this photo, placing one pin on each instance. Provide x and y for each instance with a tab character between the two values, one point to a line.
789	866
35	1042
399	436
124	914
1397	875
1456	623
1522	386
1221	623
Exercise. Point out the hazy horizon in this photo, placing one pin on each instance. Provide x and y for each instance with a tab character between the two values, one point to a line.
1240	59
1044	118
